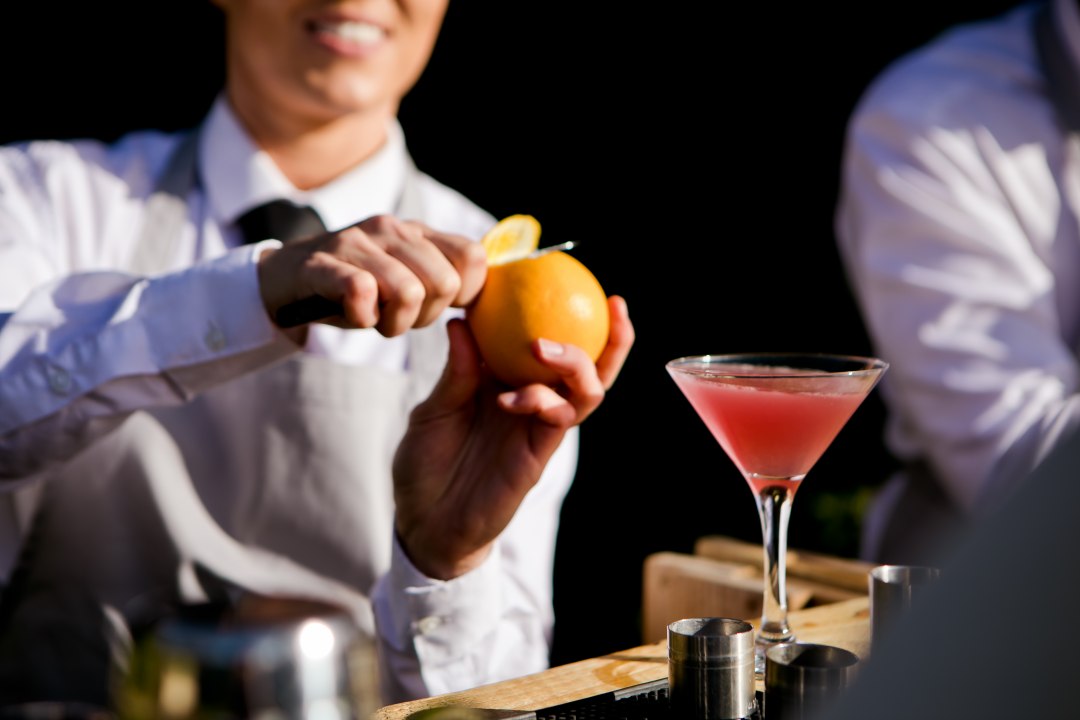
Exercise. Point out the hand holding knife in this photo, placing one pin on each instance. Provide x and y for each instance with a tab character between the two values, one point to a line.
316	307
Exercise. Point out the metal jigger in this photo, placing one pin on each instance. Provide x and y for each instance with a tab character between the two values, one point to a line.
711	668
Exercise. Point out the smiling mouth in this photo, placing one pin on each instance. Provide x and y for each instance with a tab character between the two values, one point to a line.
353	32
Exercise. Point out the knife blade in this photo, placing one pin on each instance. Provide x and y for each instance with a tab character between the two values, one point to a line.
568	245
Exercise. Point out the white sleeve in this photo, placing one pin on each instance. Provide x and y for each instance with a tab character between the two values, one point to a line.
946	239
491	624
84	350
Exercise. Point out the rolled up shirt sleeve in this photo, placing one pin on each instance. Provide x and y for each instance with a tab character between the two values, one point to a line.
84	350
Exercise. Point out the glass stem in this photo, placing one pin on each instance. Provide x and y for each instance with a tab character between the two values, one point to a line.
774	508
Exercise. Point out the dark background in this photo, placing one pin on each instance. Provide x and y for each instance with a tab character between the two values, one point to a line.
692	150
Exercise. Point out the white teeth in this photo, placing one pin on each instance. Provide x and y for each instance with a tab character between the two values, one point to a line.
355	32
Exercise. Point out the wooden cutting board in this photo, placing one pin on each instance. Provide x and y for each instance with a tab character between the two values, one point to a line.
843	624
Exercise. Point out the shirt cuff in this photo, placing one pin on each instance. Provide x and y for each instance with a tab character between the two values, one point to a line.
223	328
442	621
444	614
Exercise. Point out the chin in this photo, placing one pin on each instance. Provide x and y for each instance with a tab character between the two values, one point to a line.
353	97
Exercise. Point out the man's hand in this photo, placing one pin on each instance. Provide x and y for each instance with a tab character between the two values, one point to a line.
474	450
386	274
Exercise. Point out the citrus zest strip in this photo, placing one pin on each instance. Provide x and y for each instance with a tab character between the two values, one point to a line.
512	238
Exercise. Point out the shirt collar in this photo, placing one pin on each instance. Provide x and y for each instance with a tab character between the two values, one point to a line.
237	175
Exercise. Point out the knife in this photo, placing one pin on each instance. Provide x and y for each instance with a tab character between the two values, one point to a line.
569	244
317	307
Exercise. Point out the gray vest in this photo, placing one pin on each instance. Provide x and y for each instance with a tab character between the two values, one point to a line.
154	515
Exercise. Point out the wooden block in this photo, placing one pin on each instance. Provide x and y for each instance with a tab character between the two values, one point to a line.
678	586
845	573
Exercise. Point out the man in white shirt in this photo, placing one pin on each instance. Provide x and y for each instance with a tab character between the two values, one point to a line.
155	420
958	224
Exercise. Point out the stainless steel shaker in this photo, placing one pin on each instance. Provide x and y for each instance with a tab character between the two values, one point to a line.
260	658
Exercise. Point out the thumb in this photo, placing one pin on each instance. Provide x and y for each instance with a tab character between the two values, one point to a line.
460	378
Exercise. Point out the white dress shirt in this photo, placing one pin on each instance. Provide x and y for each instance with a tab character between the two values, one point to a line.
958	224
84	342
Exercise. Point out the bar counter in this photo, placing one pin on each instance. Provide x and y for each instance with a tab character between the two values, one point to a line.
844	624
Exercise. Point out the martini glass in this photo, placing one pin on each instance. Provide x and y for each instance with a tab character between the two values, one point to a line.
774	414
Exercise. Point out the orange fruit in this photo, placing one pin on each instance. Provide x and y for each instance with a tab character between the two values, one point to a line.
552	296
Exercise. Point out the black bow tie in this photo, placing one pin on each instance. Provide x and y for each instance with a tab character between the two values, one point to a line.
280	219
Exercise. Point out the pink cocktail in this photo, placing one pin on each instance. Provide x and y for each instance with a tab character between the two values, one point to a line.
774	415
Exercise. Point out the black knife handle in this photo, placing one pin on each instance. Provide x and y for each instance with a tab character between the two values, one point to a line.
307	310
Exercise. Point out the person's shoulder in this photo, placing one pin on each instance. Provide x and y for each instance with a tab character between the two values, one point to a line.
136	154
450	210
964	72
